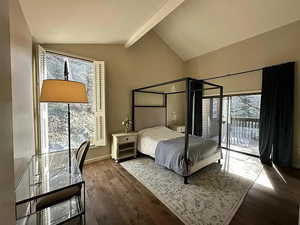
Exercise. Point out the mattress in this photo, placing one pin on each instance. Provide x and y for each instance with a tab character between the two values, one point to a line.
167	147
170	153
149	138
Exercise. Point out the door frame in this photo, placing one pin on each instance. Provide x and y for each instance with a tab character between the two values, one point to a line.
228	140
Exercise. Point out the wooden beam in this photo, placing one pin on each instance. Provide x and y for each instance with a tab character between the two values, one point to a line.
163	12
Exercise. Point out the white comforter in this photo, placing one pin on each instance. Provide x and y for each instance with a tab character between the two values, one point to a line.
150	137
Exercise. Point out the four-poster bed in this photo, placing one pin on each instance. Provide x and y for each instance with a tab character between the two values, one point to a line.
186	153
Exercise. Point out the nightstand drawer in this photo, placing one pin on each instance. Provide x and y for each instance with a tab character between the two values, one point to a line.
126	139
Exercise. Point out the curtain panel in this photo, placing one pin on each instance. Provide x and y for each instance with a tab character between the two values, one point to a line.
196	99
276	115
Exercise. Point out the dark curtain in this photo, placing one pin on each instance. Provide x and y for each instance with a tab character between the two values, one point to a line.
196	108
276	115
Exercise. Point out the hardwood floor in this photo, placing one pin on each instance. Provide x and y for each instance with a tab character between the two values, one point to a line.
114	197
277	204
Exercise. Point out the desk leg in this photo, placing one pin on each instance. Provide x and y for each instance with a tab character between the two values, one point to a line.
84	203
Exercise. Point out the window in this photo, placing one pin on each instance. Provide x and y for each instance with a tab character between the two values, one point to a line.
240	131
240	121
210	117
87	120
214	108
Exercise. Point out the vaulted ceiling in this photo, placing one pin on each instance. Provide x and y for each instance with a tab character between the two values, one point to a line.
93	21
197	27
190	27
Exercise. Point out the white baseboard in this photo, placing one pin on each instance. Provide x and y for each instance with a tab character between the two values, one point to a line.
97	159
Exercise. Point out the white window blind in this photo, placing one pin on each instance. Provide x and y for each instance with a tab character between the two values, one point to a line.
100	116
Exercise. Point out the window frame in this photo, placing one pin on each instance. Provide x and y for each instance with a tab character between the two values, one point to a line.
37	87
232	95
240	94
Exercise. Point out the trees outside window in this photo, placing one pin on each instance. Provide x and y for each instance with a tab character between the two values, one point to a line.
82	115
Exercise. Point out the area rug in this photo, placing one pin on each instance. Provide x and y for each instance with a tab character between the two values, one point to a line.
213	194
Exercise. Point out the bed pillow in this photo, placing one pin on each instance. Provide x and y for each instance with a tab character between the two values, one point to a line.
152	129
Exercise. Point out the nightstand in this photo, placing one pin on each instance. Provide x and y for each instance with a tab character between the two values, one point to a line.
123	146
178	128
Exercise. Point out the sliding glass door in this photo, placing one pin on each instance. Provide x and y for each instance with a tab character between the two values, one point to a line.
240	130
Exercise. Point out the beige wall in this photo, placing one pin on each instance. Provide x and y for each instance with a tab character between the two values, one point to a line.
150	61
275	47
21	70
7	197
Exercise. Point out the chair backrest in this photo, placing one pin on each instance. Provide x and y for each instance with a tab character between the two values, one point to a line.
81	153
80	147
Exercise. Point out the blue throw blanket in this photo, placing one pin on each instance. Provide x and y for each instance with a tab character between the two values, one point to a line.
170	153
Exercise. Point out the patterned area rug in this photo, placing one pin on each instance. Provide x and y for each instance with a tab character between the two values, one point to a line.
213	194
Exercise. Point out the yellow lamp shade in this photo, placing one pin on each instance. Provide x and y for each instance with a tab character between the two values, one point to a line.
63	91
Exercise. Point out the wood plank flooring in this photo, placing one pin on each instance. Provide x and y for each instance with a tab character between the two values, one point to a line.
114	197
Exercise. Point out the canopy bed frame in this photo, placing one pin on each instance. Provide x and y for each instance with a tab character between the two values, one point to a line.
159	112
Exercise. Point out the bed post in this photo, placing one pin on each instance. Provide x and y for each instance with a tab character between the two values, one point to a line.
132	109
220	123
187	124
220	117
166	108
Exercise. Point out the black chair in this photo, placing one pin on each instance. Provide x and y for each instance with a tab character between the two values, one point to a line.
81	154
68	193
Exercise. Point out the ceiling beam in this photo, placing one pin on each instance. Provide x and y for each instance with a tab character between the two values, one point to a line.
164	11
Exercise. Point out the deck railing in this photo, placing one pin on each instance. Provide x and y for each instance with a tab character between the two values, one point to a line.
244	131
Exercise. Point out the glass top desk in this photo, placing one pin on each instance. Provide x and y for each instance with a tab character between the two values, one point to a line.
47	174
